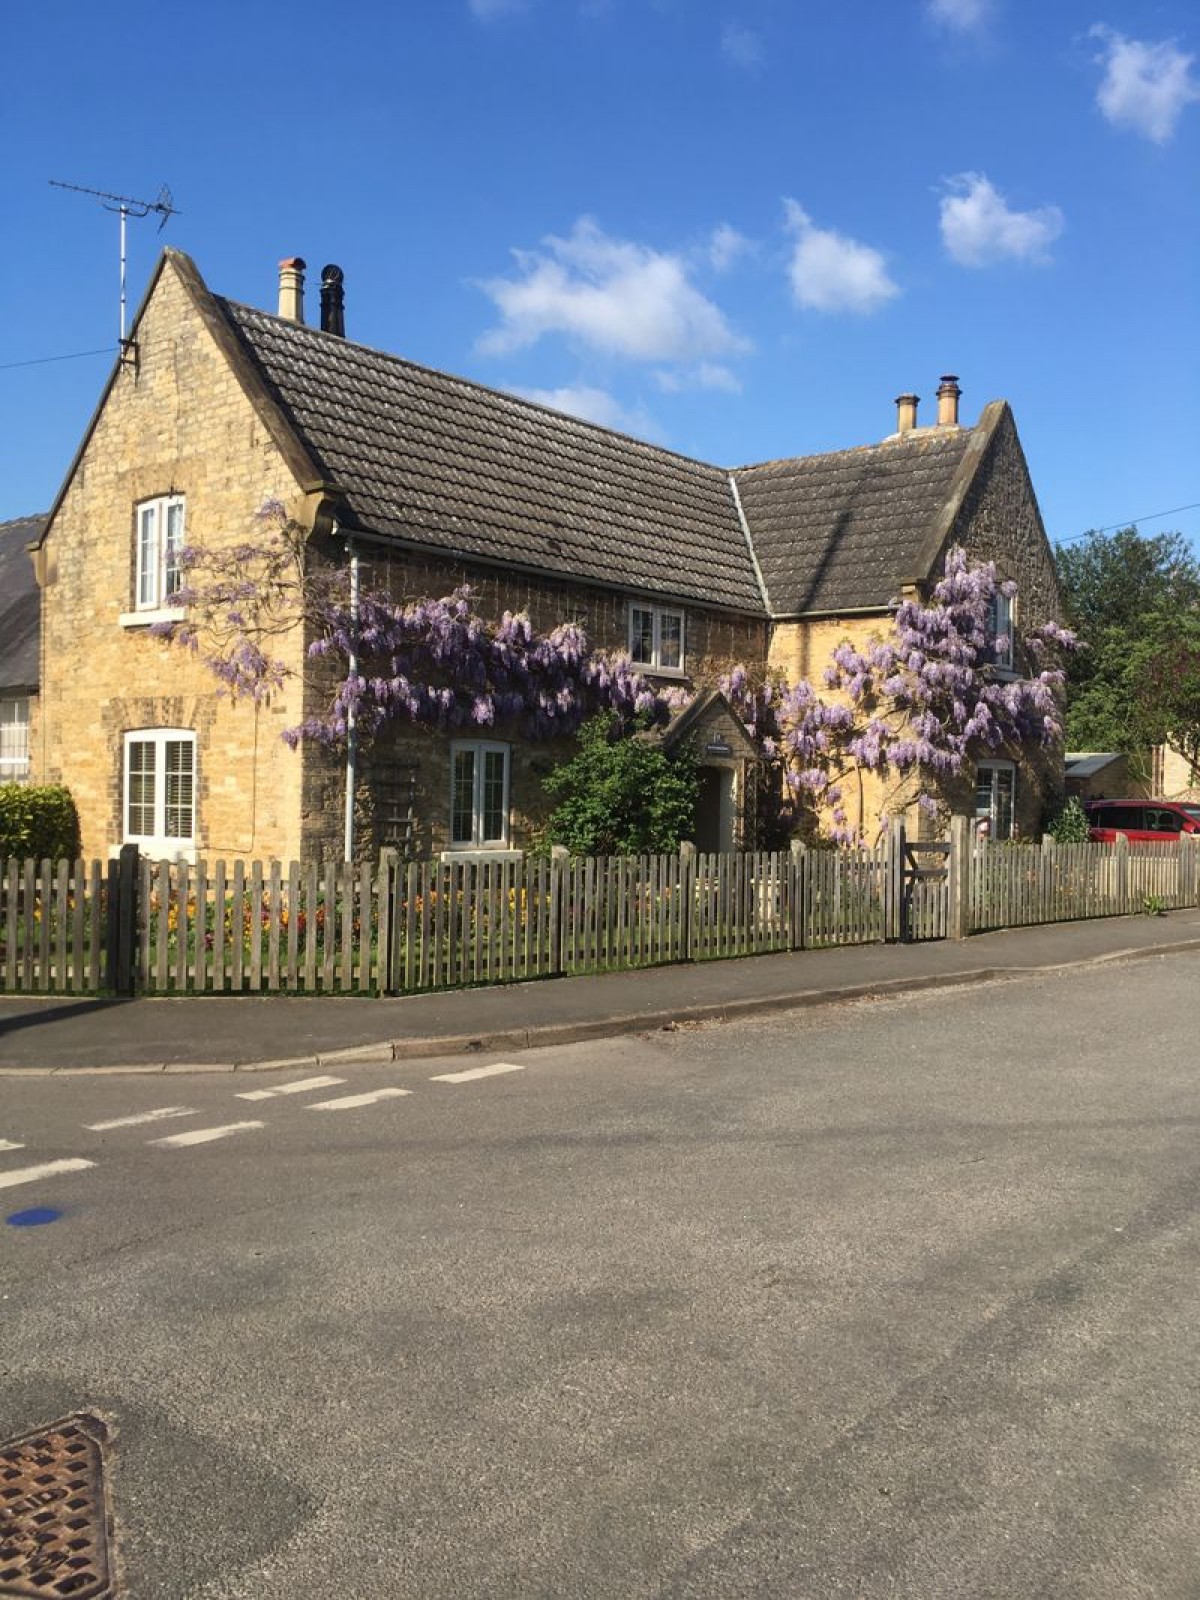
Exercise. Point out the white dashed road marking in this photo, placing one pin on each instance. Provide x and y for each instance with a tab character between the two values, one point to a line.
160	1115
289	1088
493	1071
349	1101
48	1169
10	1144
176	1141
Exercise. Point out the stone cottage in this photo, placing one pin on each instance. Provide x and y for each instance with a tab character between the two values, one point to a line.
429	481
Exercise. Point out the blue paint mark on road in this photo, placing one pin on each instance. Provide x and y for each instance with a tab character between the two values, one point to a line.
35	1217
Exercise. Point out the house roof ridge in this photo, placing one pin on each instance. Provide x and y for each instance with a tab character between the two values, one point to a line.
925	435
508	396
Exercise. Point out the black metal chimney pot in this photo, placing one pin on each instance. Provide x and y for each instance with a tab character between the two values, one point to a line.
333	301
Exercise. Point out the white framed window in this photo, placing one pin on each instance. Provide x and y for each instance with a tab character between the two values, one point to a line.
160	791
1000	631
656	636
995	798
14	739
479	777
159	538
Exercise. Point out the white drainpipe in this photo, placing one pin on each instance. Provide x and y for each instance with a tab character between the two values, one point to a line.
351	733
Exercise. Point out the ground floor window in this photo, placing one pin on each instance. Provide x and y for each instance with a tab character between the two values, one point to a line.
479	795
14	740
160	790
995	793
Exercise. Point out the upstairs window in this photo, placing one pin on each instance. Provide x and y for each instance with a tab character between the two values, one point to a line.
14	740
159	541
656	638
1000	631
160	791
479	796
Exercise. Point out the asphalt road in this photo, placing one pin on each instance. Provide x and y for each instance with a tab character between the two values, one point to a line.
898	1299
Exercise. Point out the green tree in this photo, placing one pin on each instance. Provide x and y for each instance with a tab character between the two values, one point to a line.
621	795
1117	589
1164	670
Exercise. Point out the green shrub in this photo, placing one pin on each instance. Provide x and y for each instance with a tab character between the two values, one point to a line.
1070	826
38	821
621	796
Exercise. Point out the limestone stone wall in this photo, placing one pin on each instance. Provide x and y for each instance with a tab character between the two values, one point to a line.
415	763
177	423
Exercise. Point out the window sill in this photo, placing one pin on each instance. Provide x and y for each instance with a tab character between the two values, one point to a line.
465	853
676	674
151	616
172	852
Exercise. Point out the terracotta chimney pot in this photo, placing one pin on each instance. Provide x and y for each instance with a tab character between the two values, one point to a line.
291	288
906	412
947	399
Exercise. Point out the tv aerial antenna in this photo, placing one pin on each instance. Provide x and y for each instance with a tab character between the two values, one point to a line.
126	206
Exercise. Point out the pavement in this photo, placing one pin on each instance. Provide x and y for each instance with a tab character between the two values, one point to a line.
64	1034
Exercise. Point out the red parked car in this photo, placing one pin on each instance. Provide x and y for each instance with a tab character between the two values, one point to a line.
1141	821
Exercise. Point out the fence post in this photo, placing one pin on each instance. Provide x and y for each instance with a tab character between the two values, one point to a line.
894	929
389	871
961	831
797	886
559	856
1122	849
120	946
687	899
1187	870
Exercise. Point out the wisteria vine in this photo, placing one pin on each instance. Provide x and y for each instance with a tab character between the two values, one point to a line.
916	702
911	705
432	662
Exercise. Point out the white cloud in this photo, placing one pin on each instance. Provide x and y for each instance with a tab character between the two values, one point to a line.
725	246
742	46
979	227
963	15
704	375
830	272
596	405
613	295
1145	86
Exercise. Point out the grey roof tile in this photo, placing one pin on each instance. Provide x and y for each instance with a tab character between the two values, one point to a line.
460	468
841	531
19	605
468	470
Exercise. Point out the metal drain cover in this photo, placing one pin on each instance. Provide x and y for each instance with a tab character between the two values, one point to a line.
54	1518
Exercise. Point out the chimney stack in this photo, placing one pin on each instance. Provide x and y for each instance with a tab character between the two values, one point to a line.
906	412
947	399
291	288
333	301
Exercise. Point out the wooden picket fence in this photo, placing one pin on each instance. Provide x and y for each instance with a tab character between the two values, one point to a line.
1019	885
401	928
158	928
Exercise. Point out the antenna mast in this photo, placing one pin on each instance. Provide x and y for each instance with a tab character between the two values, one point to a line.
126	206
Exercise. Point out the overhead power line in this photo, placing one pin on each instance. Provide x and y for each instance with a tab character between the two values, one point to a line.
1129	522
41	361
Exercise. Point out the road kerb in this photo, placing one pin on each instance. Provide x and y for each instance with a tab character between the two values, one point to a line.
611	1026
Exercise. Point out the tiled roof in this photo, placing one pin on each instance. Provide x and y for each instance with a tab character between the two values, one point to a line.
19	605
468	470
840	531
449	464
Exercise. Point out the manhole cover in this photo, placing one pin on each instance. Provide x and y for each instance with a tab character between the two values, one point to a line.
54	1521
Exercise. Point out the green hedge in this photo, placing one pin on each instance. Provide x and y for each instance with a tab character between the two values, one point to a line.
38	821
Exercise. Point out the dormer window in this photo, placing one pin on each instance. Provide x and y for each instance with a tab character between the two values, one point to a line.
159	541
656	638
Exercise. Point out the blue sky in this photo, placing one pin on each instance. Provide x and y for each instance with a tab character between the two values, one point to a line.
739	229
